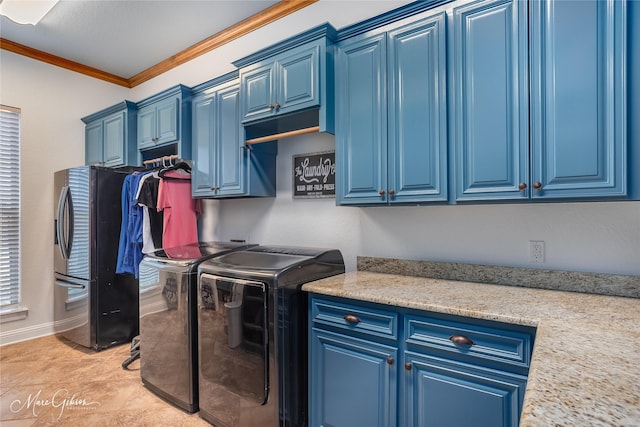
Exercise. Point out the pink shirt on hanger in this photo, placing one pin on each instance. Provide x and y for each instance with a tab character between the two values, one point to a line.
180	224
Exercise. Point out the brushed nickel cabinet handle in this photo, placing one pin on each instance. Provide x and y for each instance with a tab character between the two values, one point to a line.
351	318
271	107
461	340
277	105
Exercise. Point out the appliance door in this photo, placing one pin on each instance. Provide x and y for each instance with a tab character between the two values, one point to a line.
72	223
233	341
72	312
166	358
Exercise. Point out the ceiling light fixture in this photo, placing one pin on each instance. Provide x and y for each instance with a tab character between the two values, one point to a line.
26	11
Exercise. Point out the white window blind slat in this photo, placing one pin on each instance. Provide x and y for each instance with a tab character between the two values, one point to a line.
9	207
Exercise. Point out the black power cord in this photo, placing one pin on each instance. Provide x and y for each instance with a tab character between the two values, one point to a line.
135	352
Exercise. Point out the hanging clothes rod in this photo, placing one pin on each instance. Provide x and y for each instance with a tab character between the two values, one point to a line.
268	138
160	159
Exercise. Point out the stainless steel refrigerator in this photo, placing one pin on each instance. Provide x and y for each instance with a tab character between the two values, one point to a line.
93	306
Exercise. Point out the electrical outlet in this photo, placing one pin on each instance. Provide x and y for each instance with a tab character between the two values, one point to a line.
536	251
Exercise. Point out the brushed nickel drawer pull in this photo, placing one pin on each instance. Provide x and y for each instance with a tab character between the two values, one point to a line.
351	318
461	340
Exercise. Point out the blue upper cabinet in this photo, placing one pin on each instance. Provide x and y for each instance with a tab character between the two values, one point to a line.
282	85
489	88
361	120
110	136
566	137
222	165
164	123
391	138
158	123
417	135
289	78
578	98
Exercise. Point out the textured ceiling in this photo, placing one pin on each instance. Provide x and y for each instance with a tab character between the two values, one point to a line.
126	37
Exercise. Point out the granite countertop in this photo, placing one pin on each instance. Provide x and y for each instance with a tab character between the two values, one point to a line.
585	368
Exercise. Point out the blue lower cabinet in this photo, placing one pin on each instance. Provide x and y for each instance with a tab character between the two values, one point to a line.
444	393
353	381
376	365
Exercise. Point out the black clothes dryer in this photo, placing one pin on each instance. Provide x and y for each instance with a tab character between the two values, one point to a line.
252	334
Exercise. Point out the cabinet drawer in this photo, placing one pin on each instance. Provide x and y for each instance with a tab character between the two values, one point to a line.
355	318
491	344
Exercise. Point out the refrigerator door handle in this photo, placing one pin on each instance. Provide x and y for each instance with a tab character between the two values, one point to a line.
69	285
64	242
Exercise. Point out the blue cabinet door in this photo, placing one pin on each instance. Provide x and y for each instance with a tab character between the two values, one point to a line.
219	161
202	144
159	123
489	80
168	120
258	86
352	382
230	157
284	84
361	121
146	127
93	143
298	80
110	136
222	165
578	105
114	140
417	138
443	393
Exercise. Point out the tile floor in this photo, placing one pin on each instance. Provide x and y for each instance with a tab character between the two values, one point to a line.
53	382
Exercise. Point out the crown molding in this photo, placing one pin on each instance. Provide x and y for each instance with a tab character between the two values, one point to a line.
62	62
260	19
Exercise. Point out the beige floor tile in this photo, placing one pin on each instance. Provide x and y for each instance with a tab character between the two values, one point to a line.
52	382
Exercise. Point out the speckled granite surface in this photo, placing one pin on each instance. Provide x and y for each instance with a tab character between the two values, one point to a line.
585	369
593	283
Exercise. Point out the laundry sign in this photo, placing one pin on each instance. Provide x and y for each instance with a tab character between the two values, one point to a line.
314	175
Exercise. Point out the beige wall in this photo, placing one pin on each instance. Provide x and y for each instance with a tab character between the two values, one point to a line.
598	237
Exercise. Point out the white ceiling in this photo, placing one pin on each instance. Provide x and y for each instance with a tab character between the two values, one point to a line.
125	37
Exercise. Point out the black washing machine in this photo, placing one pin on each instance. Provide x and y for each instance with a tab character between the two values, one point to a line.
168	326
252	334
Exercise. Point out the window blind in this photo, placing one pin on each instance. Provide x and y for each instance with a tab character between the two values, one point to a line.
9	206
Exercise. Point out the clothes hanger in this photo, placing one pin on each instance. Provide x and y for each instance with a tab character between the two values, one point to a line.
181	165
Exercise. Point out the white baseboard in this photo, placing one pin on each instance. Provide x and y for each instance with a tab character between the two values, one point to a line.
38	331
26	333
